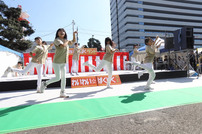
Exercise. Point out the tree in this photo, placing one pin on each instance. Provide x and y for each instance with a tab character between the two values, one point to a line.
13	30
94	43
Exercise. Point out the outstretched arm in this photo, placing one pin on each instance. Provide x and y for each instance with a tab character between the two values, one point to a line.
50	46
70	43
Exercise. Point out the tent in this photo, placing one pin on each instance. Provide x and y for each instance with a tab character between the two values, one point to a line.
140	49
5	49
8	58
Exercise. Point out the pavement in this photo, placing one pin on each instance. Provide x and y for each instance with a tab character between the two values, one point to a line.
183	119
177	120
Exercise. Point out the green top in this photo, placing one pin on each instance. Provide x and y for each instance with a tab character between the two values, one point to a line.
135	53
76	53
61	53
150	53
108	55
39	51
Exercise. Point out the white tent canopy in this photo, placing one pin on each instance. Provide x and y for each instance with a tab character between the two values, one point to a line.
8	58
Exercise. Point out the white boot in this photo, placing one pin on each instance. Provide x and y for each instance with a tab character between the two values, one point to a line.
63	94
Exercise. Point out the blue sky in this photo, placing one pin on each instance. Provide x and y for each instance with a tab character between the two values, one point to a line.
92	17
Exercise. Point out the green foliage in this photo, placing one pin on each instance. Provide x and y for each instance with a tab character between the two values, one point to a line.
12	31
94	43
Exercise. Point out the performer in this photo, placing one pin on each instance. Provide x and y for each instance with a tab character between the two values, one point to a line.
148	61
37	61
106	61
113	47
75	59
61	57
47	47
18	66
134	56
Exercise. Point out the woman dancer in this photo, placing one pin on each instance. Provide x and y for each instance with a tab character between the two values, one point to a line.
61	57
75	59
148	61
134	56
48	47
106	61
37	61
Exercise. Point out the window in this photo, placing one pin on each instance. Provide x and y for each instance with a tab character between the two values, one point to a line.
140	9
141	16
141	23
140	2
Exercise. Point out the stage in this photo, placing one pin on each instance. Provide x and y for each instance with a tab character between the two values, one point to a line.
30	81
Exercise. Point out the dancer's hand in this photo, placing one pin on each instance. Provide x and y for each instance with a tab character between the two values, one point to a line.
51	45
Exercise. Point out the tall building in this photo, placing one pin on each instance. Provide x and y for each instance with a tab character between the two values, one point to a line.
134	20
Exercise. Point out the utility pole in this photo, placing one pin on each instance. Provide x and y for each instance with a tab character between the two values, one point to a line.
77	38
73	23
92	41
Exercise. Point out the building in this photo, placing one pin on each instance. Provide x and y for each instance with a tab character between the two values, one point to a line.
134	20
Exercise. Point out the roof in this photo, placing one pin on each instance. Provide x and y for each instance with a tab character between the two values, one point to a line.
3	48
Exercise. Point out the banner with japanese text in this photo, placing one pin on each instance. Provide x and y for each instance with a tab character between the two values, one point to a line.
87	81
85	51
102	80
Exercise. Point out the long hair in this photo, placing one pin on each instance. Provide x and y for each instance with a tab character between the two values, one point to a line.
108	40
61	29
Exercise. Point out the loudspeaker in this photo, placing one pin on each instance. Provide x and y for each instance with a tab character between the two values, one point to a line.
169	44
183	38
187	38
177	40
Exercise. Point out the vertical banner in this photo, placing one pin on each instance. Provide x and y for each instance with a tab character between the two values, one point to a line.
82	61
118	63
90	61
50	66
97	60
124	60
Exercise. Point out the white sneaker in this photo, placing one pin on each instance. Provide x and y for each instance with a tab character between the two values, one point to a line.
43	86
63	95
71	74
109	87
140	74
147	88
85	63
38	90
